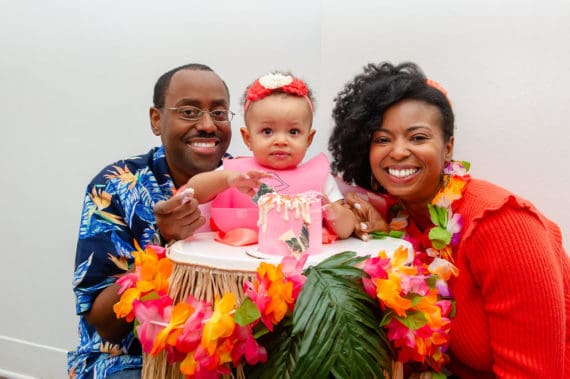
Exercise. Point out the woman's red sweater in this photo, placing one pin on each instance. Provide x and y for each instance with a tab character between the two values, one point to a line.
512	292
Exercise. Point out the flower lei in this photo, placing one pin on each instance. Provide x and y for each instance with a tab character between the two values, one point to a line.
207	339
276	82
414	290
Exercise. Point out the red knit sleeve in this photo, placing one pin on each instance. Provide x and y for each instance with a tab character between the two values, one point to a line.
516	263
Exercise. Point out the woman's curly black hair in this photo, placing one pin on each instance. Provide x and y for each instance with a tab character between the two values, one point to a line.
360	106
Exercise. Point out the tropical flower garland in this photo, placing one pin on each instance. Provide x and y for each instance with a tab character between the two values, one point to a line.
414	290
203	338
207	339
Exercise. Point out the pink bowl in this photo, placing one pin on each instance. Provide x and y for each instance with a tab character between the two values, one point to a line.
231	209
231	218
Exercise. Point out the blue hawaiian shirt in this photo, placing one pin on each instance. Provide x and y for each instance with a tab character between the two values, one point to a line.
117	210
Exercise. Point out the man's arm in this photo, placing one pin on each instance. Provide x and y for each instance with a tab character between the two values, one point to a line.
102	317
176	218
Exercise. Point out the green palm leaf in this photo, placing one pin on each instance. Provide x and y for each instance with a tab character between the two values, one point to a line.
334	331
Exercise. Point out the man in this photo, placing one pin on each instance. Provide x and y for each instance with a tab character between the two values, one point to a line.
133	200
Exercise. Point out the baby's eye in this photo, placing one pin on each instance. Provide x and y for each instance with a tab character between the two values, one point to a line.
294	132
267	131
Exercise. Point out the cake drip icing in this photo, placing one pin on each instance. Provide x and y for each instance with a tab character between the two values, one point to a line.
299	205
290	224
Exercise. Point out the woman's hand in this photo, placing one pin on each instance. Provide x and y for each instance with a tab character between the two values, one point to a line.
368	218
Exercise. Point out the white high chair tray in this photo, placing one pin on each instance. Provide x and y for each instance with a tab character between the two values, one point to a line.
202	250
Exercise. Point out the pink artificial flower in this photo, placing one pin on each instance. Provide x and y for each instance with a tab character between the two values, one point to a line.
442	288
454	226
454	222
191	334
293	272
377	267
127	281
153	316
159	250
369	287
209	366
261	300
455	168
446	306
399	332
246	346
414	283
174	355
179	313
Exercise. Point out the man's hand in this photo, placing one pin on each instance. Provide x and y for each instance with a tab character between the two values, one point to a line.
368	218
178	217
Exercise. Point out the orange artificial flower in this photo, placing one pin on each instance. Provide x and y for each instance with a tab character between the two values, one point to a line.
400	257
281	294
188	365
427	305
180	313
221	324
388	291
154	272
271	272
451	192
124	308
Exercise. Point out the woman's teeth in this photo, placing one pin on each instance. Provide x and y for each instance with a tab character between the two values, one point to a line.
402	173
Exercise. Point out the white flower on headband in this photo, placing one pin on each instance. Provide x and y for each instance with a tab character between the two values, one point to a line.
272	81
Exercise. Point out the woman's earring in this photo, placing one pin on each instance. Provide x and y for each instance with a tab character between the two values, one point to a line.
375	185
444	178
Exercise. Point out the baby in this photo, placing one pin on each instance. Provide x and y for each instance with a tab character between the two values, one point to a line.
278	113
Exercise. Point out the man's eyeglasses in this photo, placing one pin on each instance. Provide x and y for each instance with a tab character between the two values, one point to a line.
191	113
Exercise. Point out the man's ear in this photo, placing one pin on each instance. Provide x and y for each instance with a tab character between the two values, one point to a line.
155	116
246	137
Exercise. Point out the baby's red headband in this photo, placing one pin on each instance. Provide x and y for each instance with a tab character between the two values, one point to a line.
271	83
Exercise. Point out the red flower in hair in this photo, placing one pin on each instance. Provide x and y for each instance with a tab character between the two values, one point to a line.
270	83
297	87
257	91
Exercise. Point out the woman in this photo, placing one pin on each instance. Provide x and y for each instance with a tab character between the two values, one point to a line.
394	135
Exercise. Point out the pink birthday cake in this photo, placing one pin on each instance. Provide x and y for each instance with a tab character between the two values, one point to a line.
290	224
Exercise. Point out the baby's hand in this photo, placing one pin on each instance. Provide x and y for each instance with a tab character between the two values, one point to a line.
339	219
247	182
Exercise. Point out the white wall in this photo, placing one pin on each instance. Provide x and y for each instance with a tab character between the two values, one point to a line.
76	82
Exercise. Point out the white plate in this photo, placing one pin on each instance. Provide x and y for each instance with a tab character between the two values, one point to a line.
202	250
